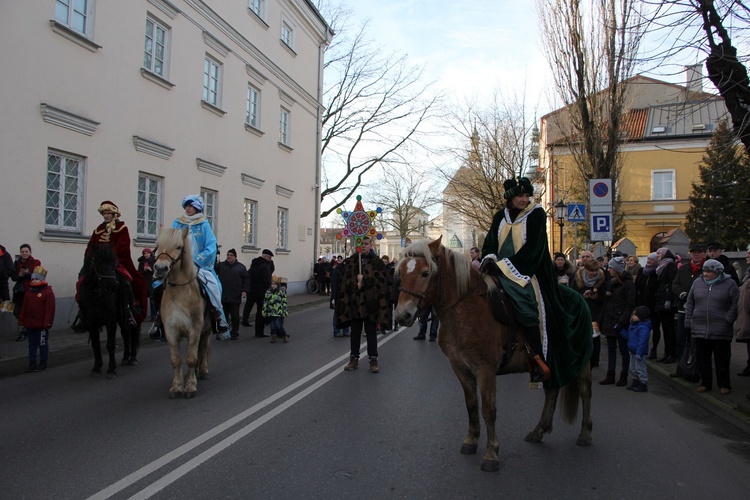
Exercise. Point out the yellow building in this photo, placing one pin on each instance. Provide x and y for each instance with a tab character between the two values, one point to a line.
665	133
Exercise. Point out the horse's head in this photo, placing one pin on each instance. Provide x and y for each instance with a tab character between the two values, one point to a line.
417	270
172	249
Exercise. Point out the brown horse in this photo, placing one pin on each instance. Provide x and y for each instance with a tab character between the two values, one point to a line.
477	345
183	311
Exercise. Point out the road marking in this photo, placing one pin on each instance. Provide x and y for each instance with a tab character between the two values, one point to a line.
180	471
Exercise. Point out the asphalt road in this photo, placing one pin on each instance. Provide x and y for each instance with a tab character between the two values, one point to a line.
285	421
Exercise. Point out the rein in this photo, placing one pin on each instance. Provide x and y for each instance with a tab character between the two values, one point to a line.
172	263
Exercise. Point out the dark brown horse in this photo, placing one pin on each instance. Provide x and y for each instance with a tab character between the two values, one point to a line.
476	343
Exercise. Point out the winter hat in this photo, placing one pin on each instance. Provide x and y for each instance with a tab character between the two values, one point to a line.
232	251
618	264
108	206
146	250
696	247
195	200
559	254
713	265
643	313
267	252
515	187
653	256
39	274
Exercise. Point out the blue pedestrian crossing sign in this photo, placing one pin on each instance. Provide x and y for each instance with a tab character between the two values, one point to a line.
576	212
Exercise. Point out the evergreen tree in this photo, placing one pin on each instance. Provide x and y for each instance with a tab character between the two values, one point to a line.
719	203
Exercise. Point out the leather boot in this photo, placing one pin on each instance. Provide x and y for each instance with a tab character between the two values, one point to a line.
130	321
609	380
623	381
538	369
218	324
352	364
374	368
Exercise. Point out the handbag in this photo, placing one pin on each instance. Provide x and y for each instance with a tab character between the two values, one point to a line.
687	366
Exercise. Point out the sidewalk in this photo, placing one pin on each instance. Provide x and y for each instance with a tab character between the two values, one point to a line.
67	345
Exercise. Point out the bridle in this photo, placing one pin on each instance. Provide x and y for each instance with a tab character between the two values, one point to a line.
438	289
173	261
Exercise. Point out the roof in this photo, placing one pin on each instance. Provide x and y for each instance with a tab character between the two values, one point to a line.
685	119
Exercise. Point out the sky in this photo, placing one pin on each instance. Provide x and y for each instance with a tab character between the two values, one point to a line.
471	47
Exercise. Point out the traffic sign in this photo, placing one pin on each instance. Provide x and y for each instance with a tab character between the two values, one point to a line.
576	212
601	227
600	195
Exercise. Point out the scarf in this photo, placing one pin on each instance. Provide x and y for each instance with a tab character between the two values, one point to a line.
648	270
662	265
590	282
711	282
191	220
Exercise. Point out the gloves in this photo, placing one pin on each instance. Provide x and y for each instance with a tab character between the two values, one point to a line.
489	266
617	327
638	357
668	304
683	295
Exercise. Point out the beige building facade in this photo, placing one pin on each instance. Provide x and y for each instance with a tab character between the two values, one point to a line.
145	101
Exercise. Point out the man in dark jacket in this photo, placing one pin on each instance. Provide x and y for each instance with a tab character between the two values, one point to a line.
686	275
716	252
235	283
261	271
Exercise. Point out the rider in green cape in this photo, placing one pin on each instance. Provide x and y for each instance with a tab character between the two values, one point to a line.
555	320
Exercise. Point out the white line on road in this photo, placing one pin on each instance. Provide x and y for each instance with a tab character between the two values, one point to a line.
180	471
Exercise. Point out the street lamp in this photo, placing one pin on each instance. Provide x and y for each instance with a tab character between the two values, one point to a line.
561	210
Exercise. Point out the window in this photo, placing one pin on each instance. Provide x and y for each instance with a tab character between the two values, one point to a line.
282	228
63	208
210	199
662	183
155	50
253	101
212	82
287	34
284	127
256	6
148	216
74	14
250	228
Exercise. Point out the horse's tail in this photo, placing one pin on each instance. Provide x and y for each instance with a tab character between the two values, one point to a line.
570	396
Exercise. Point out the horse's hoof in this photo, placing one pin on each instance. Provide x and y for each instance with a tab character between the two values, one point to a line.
175	395
583	441
133	362
203	376
111	375
124	362
190	395
468	449
490	465
533	438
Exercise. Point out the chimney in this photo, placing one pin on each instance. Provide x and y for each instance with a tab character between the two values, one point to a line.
694	77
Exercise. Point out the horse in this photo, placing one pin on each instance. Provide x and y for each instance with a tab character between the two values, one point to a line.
478	346
184	312
101	302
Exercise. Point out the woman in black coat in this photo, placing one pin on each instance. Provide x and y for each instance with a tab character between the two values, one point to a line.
646	286
666	303
616	317
591	282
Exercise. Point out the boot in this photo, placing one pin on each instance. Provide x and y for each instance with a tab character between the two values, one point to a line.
652	353
623	381
538	369
219	324
352	364
130	321
41	366
273	338
609	380
374	365
641	387
31	368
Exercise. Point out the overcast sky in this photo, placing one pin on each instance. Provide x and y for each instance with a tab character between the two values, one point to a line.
472	47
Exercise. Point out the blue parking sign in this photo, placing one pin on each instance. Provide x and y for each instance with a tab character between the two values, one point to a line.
601	227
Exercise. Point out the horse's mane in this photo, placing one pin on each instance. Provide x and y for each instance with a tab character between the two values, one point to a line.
460	263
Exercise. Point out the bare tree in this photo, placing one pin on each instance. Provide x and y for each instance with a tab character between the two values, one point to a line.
715	28
591	48
497	145
405	195
376	108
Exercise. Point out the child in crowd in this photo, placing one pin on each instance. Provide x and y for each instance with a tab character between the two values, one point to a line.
637	336
275	309
37	315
